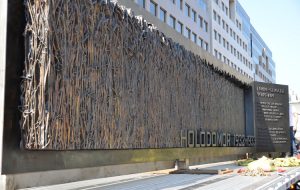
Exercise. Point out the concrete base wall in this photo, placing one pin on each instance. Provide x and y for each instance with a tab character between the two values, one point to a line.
195	156
35	179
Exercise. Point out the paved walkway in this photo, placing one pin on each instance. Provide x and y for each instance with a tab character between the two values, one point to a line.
162	181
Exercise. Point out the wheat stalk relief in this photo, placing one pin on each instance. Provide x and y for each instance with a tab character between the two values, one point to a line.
97	77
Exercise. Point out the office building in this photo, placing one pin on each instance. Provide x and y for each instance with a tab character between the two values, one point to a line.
221	28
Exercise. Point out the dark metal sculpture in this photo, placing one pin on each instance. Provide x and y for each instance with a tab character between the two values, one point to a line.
97	77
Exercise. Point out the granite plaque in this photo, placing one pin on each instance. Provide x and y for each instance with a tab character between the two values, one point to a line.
271	117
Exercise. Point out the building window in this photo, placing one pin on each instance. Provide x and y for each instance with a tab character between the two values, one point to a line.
205	26
216	35
224	43
179	27
220	55
153	8
172	21
187	10
194	15
194	37
219	20
200	42
163	15
202	4
179	4
217	2
200	22
224	59
206	46
223	6
216	53
173	1
187	33
227	43
227	28
226	10
141	3
219	38
230	32
215	15
223	24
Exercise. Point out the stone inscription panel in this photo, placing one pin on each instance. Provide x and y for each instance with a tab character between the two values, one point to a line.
272	118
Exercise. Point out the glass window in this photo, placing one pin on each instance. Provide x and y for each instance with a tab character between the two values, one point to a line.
187	10
216	53
187	33
202	4
172	21
179	27
205	26
215	15
219	19
227	28
194	17
163	15
220	55
216	35
200	42
226	10
223	24
206	46
224	59
219	38
141	3
230	32
224	43
179	4
194	37
223	6
153	8
227	43
217	2
201	22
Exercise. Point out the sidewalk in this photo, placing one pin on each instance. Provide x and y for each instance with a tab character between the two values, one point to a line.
159	180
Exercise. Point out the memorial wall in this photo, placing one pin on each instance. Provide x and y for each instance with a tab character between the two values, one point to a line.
96	77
